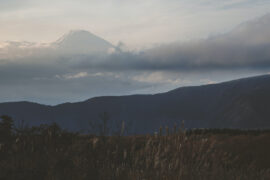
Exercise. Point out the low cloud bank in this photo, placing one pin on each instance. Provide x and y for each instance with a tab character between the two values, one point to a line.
41	71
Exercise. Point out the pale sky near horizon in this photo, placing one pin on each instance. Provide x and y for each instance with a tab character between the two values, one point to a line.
137	23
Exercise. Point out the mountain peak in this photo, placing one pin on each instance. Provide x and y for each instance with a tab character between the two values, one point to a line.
82	42
75	34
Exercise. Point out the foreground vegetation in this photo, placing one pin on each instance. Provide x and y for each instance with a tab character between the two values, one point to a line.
47	152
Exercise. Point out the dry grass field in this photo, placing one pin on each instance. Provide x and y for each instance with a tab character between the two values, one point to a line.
47	152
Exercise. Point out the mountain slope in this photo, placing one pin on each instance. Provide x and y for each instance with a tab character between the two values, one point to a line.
243	103
82	42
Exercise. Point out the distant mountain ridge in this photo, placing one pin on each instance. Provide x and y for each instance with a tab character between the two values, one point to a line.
243	103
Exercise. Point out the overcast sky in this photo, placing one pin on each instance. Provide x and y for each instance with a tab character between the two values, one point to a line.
137	23
165	45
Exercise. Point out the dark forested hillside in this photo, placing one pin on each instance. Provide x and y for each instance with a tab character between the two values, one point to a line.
243	103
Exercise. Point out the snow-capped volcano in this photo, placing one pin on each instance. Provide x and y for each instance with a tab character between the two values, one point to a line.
82	42
78	42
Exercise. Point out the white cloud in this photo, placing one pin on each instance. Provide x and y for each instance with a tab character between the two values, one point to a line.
207	81
72	76
157	77
78	75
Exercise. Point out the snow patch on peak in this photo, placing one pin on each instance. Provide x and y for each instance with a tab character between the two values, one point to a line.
82	42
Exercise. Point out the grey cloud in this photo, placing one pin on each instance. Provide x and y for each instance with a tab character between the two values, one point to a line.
46	76
247	46
52	83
